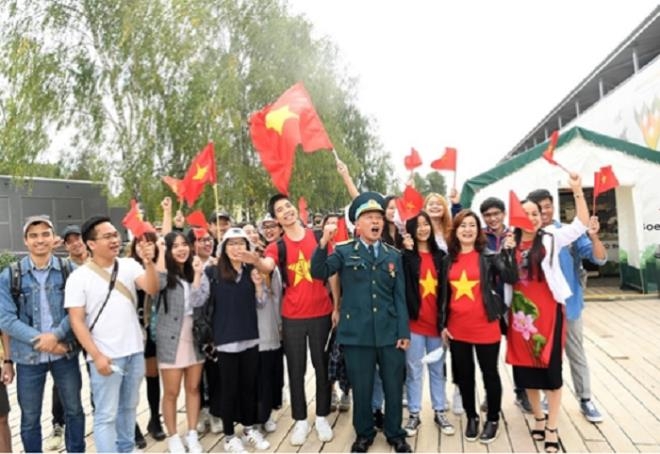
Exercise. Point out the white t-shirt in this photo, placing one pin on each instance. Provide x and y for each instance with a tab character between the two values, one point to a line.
117	332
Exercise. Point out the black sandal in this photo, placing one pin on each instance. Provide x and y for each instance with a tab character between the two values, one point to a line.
551	446
538	434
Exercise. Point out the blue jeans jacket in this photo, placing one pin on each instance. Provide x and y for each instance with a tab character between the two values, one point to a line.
21	320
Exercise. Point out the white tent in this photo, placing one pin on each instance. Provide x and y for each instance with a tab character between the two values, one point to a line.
636	203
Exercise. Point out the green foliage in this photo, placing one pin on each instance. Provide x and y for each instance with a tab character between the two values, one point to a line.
433	182
133	90
520	302
6	258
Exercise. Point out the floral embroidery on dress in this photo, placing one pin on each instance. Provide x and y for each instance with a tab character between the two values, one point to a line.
525	313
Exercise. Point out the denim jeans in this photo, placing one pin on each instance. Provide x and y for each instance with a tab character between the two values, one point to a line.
419	346
30	383
116	399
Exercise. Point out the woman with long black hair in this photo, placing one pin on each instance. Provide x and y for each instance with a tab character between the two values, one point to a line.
536	334
182	288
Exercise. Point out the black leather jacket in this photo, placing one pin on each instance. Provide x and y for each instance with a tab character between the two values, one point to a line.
493	267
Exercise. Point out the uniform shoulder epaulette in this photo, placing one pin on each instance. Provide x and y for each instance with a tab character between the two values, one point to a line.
389	247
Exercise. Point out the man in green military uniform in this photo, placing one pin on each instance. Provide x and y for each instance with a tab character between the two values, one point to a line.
373	325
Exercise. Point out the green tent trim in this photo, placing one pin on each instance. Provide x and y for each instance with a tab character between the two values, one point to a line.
475	184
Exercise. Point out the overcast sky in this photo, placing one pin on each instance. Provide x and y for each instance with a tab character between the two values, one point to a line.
475	75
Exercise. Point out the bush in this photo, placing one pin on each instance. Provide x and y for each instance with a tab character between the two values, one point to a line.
6	258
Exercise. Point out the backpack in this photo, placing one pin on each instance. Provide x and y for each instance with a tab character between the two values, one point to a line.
16	277
203	319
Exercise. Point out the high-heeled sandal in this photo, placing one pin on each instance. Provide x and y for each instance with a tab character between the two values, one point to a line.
551	446
538	434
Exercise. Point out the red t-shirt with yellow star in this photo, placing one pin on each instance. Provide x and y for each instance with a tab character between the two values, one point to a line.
304	296
467	315
427	321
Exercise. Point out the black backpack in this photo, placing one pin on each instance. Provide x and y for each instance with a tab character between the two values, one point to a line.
203	319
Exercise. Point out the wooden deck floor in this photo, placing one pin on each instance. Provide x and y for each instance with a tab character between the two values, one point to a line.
621	338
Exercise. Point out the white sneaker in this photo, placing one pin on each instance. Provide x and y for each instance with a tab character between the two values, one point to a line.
216	424
234	444
457	402
193	442
174	444
252	436
203	421
323	429
56	440
270	425
300	431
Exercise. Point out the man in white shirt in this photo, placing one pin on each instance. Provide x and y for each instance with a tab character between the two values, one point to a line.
105	322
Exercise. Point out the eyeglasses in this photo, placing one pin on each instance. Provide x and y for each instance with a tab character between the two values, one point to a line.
107	236
492	214
270	226
205	240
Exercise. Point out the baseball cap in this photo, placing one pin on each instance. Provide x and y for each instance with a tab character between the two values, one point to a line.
70	230
219	215
37	219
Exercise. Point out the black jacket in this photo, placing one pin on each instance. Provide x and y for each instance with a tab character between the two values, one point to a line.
411	270
493	268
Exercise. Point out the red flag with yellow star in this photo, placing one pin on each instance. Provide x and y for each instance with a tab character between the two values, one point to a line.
413	160
604	180
447	161
200	172
133	221
410	204
175	185
279	128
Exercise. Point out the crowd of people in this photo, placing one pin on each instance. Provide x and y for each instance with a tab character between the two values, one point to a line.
214	310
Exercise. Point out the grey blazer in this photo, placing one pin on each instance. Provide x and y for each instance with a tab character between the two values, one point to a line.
168	326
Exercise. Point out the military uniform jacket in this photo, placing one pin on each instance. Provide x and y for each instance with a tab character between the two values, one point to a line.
373	308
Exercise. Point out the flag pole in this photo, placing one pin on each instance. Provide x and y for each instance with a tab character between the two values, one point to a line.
454	179
217	204
334	152
593	212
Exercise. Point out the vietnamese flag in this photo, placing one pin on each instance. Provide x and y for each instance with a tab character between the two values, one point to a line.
199	233
134	223
604	180
196	219
549	153
447	161
278	128
342	231
175	185
201	171
410	204
302	210
517	216
413	160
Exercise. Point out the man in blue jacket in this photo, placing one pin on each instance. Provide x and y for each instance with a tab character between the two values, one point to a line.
588	247
40	336
373	318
